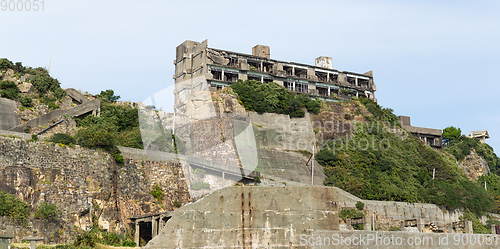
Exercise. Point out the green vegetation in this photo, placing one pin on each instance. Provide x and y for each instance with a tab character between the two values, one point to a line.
376	164
462	146
157	193
199	172
26	101
48	211
90	239
200	185
8	89
62	138
117	126
177	204
108	96
477	226
451	134
352	213
360	206
14	208
44	83
273	98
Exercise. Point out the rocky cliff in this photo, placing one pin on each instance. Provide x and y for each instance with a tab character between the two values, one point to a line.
80	182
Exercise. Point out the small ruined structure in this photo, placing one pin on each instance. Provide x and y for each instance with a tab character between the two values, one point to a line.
481	135
432	137
221	68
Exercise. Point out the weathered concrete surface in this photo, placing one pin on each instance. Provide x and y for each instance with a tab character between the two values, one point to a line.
76	96
279	217
90	106
9	116
247	217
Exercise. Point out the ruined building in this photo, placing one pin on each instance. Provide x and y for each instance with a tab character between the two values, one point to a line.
432	137
221	68
481	135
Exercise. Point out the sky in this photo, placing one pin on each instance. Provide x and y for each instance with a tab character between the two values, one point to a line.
434	61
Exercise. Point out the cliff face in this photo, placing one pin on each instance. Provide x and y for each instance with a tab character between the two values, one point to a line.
80	182
474	166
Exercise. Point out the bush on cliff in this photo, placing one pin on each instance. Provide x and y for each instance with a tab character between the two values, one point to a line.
273	98
48	211
118	124
62	138
462	147
377	164
8	89
14	208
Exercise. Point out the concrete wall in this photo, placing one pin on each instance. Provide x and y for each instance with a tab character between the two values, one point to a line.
247	217
9	116
291	217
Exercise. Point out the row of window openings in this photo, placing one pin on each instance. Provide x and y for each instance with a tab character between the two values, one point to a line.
233	77
297	72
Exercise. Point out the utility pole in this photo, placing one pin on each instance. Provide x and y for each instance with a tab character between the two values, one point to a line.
50	58
433	173
485	186
312	167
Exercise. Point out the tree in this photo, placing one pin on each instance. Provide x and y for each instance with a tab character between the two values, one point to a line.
451	134
109	96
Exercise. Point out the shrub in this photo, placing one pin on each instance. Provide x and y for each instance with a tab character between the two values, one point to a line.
14	208
200	185
8	89
157	192
257	179
109	96
360	206
199	172
177	204
5	64
43	83
26	101
34	137
48	211
86	239
273	98
62	138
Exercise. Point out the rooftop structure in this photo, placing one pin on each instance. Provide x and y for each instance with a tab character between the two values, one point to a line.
482	135
432	137
219	68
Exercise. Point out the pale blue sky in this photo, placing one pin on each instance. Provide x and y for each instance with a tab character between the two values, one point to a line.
435	61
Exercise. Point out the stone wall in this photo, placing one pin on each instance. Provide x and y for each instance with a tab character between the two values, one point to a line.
80	182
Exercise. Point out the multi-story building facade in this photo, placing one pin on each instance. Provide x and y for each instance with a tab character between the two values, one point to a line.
196	63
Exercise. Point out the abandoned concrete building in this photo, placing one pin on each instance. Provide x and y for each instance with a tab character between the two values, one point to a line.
432	137
222	68
481	135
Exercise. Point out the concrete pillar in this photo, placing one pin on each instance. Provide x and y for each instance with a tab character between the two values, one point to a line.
468	226
348	224
136	235
154	226
493	229
421	225
328	89
450	228
367	223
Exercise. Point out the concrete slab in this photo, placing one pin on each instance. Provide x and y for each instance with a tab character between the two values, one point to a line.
9	115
